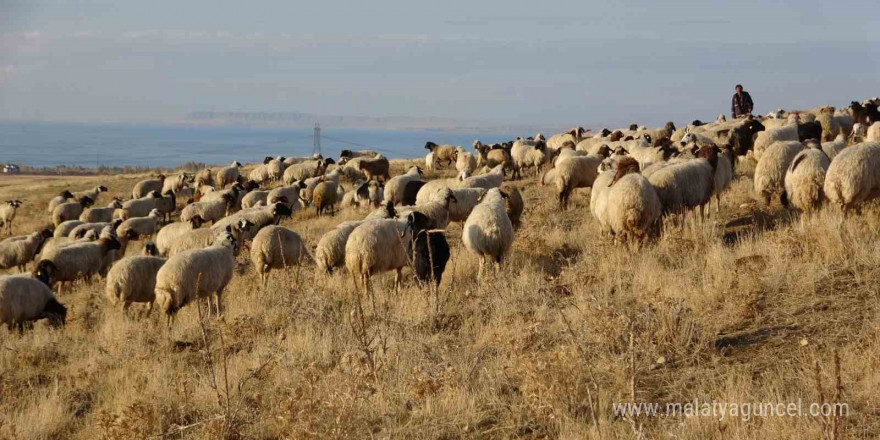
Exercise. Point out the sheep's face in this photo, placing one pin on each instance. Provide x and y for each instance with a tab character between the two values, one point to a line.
430	146
56	313
755	126
66	194
45	272
86	201
151	249
226	239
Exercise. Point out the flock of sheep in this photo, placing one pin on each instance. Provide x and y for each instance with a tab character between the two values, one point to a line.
637	176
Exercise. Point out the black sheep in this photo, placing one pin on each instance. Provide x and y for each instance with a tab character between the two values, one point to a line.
429	249
410	191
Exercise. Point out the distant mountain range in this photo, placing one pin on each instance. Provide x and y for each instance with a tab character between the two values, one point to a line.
297	119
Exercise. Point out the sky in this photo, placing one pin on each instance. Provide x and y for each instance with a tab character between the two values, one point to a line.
551	62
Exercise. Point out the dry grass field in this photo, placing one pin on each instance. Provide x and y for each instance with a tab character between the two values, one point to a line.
753	305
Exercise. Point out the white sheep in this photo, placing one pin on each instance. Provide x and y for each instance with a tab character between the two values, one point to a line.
395	186
873	133
574	172
276	247
465	160
137	227
70	210
805	178
724	172
527	154
289	195
275	168
209	211
146	186
683	185
133	280
139	207
255	198
101	215
62	197
19	252
770	136
377	246
437	210
170	233
7	214
772	166
492	179
330	252
91	193
302	171
833	148
466	199
488	231
853	177
81	230
228	175
24	299
630	207
74	261
257	217
195	274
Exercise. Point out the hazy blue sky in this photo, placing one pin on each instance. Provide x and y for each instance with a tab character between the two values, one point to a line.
560	62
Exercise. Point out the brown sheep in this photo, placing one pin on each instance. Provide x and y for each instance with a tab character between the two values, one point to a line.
375	168
442	153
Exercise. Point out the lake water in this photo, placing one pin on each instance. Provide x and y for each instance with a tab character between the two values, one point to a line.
89	145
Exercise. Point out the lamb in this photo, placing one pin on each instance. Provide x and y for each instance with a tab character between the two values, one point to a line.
133	280
235	195
685	184
92	193
62	197
514	204
724	173
147	186
575	172
195	274
429	250
377	246
873	133
442	153
257	217
20	252
325	196
228	175
833	148
101	215
166	205
7	214
659	133
492	179
853	177
772	166
139	207
24	299
630	206
330	252
169	234
375	168
302	171
275	247
488	231
137	227
255	198
70	210
69	263
374	194
465	160
804	179
209	211
430	163
395	186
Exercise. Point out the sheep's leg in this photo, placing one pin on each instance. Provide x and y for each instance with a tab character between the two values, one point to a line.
398	280
718	202
125	306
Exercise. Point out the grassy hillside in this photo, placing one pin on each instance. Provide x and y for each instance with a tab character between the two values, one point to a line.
752	305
